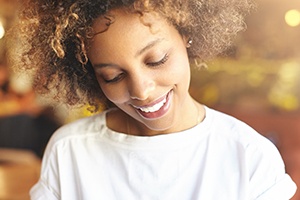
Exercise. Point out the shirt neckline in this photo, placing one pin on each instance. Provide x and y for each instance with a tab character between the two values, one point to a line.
171	140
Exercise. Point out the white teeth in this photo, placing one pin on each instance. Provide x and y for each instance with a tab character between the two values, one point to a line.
155	107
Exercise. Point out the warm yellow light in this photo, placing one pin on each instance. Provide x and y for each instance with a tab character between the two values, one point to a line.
2	31
292	17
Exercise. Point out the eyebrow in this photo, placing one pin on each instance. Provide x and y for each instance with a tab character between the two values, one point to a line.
139	52
148	46
103	65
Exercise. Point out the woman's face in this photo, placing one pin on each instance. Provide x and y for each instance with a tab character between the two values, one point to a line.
142	66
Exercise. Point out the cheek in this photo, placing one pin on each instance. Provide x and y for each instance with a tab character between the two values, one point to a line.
180	71
116	94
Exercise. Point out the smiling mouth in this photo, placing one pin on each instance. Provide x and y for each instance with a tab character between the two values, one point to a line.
155	107
156	110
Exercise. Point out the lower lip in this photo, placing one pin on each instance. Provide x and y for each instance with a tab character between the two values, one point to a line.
161	112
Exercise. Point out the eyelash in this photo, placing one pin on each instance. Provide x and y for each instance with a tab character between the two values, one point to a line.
151	64
161	62
116	79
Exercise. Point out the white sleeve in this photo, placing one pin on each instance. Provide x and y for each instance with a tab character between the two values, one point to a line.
284	189
41	192
47	188
268	178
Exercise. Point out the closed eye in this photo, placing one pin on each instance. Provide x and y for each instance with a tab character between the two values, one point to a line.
158	63
115	79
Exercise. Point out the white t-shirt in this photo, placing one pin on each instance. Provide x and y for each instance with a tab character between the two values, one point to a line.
219	159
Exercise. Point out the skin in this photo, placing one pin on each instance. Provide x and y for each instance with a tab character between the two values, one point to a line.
139	62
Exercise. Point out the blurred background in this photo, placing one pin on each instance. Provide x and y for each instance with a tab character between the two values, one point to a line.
257	81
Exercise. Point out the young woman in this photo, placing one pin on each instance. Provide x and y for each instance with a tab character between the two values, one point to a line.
154	141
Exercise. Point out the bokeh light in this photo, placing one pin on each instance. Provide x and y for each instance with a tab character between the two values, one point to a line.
292	17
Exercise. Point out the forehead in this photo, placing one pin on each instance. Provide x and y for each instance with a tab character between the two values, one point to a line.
122	30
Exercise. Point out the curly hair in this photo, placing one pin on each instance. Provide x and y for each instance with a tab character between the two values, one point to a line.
53	35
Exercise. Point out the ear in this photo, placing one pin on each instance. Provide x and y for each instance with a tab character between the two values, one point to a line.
188	41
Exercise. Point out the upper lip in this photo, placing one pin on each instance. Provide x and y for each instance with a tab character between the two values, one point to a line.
152	103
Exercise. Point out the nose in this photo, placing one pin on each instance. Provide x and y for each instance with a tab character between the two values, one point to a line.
141	86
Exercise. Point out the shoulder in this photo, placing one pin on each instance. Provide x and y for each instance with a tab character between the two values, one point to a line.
72	138
260	157
231	133
81	128
231	128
